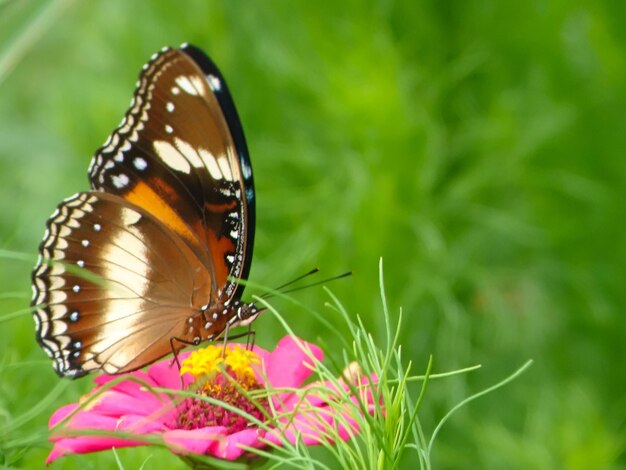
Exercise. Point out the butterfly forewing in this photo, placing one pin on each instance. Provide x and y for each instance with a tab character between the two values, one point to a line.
175	156
144	262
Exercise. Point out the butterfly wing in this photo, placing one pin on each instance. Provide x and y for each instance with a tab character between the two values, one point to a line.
129	266
112	286
180	154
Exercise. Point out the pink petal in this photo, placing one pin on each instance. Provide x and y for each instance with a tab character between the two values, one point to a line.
321	392
286	364
196	441
114	403
315	426
105	379
130	388
86	444
139	424
213	441
167	375
231	447
316	394
62	413
86	420
263	354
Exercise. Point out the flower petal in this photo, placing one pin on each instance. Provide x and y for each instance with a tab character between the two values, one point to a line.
231	448
86	420
86	444
318	425
114	403
62	413
135	424
166	373
196	441
104	379
138	424
287	364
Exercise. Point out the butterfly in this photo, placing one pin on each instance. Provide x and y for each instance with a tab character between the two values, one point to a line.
149	260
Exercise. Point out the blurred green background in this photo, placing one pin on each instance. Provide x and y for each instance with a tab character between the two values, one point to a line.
478	147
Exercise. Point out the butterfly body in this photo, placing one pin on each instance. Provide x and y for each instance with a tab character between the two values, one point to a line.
148	260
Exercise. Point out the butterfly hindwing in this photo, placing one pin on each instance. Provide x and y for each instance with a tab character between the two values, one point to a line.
112	286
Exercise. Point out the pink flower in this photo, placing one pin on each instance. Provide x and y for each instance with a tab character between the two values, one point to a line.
127	411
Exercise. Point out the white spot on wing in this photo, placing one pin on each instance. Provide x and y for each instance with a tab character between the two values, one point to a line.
199	84
189	153
214	82
129	217
186	85
246	170
211	164
120	181
225	167
140	163
169	106
171	156
169	129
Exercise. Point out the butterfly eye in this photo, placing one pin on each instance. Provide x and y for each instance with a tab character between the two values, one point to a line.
162	237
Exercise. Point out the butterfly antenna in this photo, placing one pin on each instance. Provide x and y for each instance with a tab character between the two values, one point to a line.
293	281
334	278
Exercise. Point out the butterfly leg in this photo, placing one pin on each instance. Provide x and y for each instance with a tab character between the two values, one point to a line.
176	350
247	334
225	340
250	337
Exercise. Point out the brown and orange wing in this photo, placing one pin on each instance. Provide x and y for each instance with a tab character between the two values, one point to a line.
128	267
180	154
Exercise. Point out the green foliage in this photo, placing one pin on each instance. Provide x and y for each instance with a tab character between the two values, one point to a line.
475	146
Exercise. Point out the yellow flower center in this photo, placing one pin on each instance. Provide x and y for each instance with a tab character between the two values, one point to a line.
234	360
223	374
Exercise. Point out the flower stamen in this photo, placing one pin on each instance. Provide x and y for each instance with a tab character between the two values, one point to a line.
224	374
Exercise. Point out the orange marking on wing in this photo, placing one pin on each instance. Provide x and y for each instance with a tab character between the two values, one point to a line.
220	208
222	246
146	198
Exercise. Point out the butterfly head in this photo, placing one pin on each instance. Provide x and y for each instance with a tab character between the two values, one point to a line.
246	313
216	318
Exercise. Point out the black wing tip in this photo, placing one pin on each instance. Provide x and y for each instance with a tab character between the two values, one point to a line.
224	96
